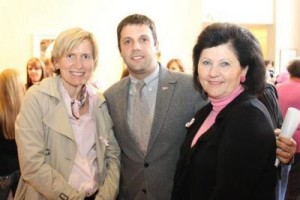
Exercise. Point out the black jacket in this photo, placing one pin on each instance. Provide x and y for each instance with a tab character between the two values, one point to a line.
234	159
270	99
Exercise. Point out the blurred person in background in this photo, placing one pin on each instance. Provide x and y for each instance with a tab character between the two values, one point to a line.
125	73
270	71
11	94
35	71
175	65
289	96
49	68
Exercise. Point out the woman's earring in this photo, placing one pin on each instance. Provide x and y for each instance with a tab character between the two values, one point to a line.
243	79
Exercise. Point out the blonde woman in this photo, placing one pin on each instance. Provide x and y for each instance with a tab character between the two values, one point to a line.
66	144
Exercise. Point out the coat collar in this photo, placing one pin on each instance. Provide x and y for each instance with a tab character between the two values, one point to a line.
51	88
204	112
57	118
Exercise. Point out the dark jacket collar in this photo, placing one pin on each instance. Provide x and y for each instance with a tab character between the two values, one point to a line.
202	114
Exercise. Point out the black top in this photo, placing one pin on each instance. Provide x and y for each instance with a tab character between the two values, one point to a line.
8	156
270	99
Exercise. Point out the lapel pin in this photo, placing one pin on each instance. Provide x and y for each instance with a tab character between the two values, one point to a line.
164	88
188	124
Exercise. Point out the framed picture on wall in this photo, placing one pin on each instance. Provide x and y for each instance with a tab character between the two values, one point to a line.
286	55
42	44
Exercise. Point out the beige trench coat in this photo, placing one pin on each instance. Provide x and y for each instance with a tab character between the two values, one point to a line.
47	148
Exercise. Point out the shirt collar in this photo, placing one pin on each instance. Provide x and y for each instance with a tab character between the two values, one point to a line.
148	79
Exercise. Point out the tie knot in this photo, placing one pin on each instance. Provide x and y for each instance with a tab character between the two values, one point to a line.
139	86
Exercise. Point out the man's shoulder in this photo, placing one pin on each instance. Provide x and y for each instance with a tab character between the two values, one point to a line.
179	75
183	80
116	87
179	78
184	87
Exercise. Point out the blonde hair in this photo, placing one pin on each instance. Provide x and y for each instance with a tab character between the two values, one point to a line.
68	40
12	91
178	63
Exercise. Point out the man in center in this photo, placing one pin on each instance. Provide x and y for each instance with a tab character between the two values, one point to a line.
148	162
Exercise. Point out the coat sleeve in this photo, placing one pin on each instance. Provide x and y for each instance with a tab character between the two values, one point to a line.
35	171
109	187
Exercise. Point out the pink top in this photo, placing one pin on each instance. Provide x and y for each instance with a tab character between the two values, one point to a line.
84	173
289	96
218	105
282	77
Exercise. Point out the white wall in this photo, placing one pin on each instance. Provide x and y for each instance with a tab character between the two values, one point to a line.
238	11
178	24
287	29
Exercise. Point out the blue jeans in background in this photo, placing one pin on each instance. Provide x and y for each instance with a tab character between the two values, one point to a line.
9	183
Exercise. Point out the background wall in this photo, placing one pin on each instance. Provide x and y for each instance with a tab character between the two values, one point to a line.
287	29
21	19
178	25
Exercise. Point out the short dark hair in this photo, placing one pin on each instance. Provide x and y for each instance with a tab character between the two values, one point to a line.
267	62
136	19
245	46
294	68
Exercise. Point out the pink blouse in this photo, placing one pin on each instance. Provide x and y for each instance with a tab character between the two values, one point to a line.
85	171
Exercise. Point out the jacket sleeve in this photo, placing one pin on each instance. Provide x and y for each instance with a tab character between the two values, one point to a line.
35	171
109	186
269	98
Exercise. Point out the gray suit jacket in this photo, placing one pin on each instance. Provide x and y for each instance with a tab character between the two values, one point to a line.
151	176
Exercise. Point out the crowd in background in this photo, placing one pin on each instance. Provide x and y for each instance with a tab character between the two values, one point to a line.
64	106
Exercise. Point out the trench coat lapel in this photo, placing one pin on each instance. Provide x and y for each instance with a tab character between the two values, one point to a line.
59	121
